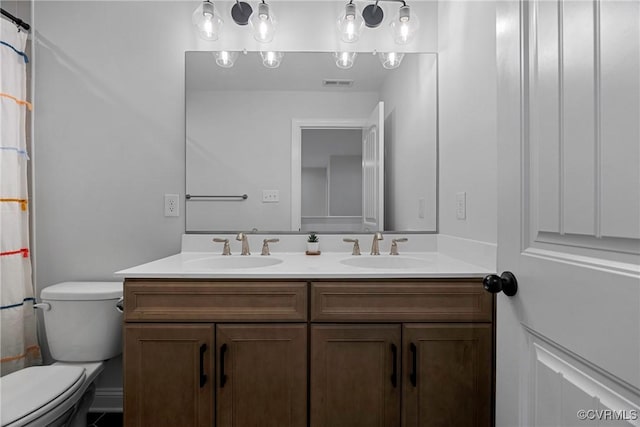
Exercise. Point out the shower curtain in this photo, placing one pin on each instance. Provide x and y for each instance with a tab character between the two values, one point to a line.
18	341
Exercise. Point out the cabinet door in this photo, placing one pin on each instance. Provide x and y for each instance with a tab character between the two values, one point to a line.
261	375
355	380
168	375
447	375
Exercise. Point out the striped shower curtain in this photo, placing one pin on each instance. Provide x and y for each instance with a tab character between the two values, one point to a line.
18	340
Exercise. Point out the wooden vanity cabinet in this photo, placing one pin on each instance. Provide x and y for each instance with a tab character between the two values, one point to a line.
261	375
447	375
168	375
443	371
442	334
217	369
328	353
355	375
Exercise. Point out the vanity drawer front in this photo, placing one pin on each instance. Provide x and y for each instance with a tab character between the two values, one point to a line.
162	301
401	301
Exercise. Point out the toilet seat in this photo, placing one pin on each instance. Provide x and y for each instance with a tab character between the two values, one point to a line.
38	391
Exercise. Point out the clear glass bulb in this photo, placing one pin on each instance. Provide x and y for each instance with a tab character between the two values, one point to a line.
390	60
226	59
345	60
207	21
350	24
263	23
271	59
404	25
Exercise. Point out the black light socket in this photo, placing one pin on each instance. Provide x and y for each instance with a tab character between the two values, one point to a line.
372	15
240	12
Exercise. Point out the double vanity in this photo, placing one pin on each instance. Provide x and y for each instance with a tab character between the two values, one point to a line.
295	340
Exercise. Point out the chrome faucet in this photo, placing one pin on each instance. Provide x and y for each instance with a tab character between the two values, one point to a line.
242	237
356	245
394	245
375	247
265	245
226	249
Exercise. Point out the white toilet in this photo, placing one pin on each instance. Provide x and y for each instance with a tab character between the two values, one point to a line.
83	321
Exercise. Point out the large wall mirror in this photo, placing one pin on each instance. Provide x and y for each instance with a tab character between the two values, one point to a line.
309	146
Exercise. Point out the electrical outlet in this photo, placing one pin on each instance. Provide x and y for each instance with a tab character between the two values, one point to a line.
461	205
171	205
422	207
270	196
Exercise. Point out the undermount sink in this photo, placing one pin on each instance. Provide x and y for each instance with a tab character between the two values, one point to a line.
384	262
231	262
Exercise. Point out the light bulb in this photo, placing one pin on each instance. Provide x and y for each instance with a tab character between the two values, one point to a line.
390	60
207	21
350	24
271	59
263	23
345	60
404	25
226	59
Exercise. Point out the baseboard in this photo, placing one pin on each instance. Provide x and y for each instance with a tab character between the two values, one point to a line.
107	400
475	252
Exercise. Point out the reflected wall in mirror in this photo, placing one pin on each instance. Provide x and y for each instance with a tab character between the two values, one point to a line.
311	156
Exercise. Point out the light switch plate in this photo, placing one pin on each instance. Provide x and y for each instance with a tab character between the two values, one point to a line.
171	205
422	206
461	205
270	196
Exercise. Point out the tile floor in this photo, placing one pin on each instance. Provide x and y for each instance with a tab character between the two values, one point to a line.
110	419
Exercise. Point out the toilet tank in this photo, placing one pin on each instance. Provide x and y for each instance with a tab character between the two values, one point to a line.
83	324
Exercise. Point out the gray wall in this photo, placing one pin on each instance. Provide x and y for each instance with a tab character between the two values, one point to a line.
109	132
468	118
314	192
339	153
410	133
109	126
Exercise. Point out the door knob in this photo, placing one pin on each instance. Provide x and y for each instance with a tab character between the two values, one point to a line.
506	282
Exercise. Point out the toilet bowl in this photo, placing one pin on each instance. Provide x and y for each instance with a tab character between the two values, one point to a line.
83	322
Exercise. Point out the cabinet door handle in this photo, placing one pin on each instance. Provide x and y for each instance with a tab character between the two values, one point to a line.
203	376
413	376
394	372
223	376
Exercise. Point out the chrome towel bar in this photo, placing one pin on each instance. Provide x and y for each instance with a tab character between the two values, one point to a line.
240	197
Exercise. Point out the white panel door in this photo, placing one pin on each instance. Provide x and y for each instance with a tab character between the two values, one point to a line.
568	343
373	171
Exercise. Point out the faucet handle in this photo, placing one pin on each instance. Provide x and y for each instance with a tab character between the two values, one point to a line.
265	245
394	245
226	249
356	245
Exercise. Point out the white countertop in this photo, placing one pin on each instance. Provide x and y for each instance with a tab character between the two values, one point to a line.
296	265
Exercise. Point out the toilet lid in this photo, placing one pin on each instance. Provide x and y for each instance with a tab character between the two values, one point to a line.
32	391
82	291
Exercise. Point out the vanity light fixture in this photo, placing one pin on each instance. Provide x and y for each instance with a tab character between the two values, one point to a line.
350	24
225	58
271	59
404	25
390	60
263	23
207	21
345	60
